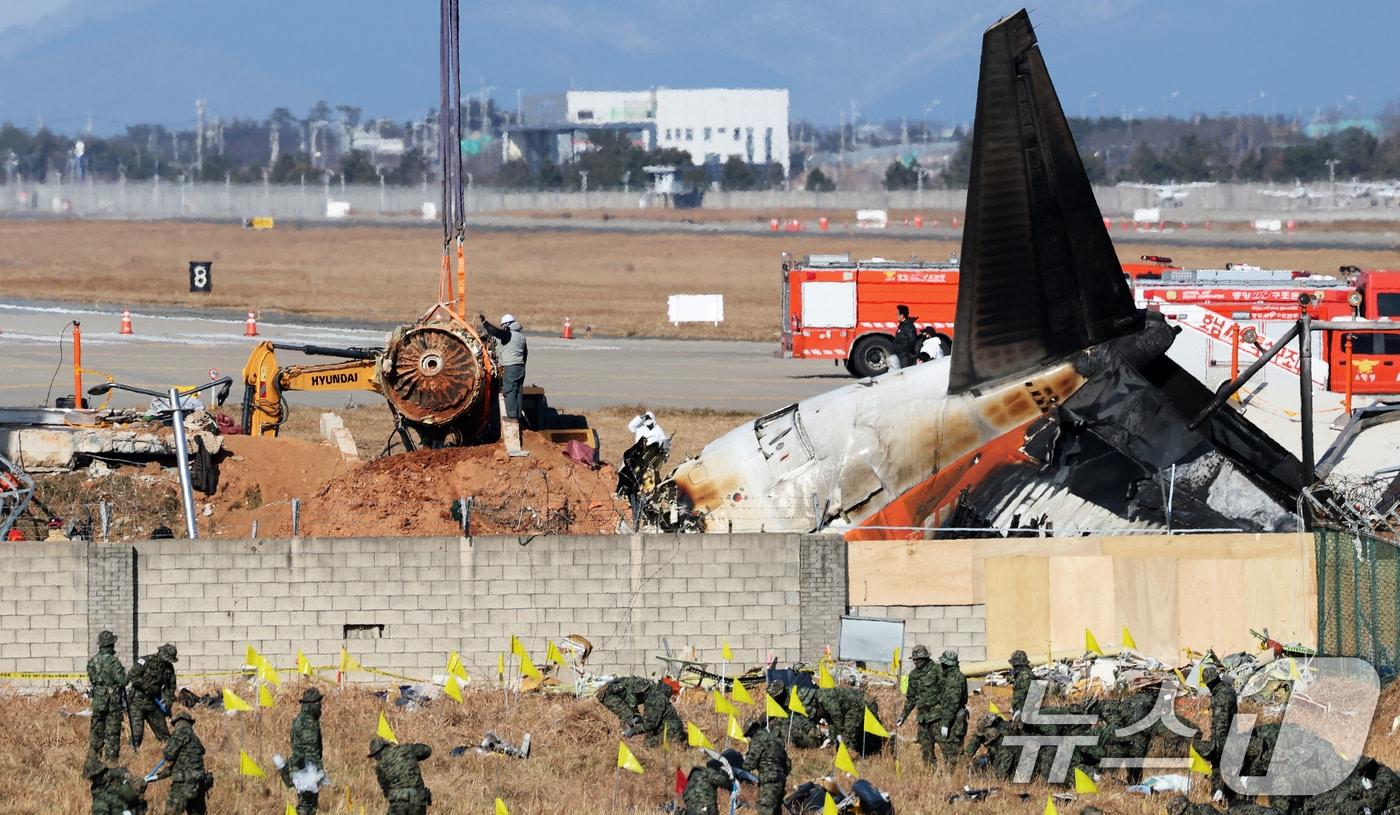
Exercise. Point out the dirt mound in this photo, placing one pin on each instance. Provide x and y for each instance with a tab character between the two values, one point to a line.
260	476
412	494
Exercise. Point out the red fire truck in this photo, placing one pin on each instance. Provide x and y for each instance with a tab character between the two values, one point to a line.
844	310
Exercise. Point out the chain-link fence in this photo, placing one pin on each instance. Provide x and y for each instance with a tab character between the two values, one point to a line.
1358	598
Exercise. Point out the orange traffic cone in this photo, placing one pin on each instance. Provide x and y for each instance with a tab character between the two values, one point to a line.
126	322
568	332
250	327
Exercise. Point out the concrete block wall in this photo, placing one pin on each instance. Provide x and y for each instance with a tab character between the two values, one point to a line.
44	608
938	628
402	604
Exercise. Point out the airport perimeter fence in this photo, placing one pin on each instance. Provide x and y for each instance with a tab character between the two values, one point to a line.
1358	599
319	199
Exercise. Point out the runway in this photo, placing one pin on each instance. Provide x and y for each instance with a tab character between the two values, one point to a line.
182	348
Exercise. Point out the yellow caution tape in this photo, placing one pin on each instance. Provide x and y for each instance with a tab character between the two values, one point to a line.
39	675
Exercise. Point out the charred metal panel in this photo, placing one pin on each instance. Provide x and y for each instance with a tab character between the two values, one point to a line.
1040	279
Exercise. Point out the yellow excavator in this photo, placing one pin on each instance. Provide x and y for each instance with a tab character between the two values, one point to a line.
431	376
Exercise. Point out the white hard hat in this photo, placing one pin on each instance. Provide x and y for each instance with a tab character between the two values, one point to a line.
507	319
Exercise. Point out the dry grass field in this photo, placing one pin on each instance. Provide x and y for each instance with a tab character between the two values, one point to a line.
618	283
571	769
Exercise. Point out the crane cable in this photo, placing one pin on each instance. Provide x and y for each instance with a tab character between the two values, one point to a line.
450	152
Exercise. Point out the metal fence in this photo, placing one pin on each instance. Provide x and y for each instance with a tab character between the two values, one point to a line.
316	199
1358	599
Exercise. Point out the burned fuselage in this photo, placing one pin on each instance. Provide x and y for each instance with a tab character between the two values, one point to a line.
1057	409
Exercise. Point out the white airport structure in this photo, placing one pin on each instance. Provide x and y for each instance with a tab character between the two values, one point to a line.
712	124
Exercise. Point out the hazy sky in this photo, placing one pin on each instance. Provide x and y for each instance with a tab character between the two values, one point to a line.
125	61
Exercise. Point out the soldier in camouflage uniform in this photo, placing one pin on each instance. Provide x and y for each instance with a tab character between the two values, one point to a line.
990	734
768	760
152	694
922	694
306	750
798	730
623	696
844	711
108	679
1021	679
184	766
951	706
659	717
1224	703
702	786
1371	787
114	790
400	779
1125	714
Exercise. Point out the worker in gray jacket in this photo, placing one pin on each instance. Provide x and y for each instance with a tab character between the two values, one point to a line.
512	353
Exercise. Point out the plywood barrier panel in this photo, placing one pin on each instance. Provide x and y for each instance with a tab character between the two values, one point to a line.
940	573
1146	601
1081	596
1228	546
1212	606
1280	595
1018	605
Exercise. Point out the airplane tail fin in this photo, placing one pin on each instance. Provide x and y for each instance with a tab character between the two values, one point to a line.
1040	279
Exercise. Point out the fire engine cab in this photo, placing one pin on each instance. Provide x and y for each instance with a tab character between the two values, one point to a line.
844	310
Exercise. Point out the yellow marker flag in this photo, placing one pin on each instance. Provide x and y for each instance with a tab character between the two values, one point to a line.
1050	806
829	806
1083	784
265	696
993	709
1091	645
247	766
452	688
384	731
904	684
347	662
517	648
1198	764
527	668
735	731
873	726
1179	677
267	673
626	760
1293	673
291	810
455	667
552	654
303	664
775	710
501	667
726	653
741	694
795	703
500	808
844	763
722	704
1128	641
252	659
695	737
894	662
232	702
824	679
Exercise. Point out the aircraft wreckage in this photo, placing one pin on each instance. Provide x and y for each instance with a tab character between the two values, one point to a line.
1058	409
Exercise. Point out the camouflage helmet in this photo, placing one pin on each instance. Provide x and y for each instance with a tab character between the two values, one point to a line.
778	690
919	652
988	721
950	657
168	652
182	716
1019	658
1178	805
1209	675
311	696
376	746
93	766
106	639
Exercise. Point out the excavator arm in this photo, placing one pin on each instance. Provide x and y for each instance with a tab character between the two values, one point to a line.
264	380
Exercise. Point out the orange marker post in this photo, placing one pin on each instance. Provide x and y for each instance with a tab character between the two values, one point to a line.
461	282
1351	371
77	365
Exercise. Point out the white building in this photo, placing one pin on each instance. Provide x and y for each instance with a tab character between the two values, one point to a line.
712	124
